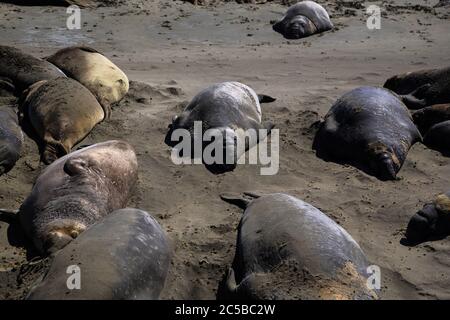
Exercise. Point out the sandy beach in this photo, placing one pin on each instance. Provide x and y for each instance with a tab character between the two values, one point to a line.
170	50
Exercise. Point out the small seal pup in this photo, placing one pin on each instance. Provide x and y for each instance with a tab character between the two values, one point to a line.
20	70
62	112
369	128
432	222
230	108
11	138
76	191
124	256
288	249
303	20
422	88
96	72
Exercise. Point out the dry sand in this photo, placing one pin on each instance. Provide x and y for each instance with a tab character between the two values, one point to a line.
171	50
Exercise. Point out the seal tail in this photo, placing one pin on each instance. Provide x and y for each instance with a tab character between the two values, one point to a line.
241	201
8	216
265	98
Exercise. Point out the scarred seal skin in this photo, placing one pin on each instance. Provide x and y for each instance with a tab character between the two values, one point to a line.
20	70
62	112
92	69
369	128
422	88
76	191
288	249
11	138
231	108
125	256
431	222
303	20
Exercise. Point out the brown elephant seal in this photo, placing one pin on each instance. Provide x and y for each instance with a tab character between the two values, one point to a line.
429	116
124	256
19	70
430	223
11	138
229	108
422	88
438	138
288	249
303	20
76	191
369	128
96	72
62	112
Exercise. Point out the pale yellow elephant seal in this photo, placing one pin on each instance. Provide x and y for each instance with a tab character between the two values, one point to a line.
62	112
96	72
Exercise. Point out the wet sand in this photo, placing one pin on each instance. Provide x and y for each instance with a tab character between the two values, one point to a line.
171	50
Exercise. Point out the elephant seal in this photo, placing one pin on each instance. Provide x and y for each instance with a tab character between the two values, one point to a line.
76	191
422	88
303	20
438	138
429	116
229	108
369	128
96	72
432	222
11	139
124	256
288	249
19	70
62	112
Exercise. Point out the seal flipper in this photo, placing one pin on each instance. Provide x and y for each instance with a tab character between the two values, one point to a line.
75	166
262	98
416	99
239	200
9	216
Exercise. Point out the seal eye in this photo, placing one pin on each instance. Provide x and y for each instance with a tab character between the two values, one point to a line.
74	234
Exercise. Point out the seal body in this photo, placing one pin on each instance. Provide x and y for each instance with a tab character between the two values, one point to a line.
288	249
126	255
228	108
302	20
96	72
432	222
438	137
429	116
422	88
11	138
76	191
370	128
62	112
21	70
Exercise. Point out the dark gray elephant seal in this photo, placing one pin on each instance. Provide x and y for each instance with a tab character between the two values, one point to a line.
20	70
288	249
303	20
230	108
62	112
438	138
125	256
429	116
432	222
369	128
422	88
76	191
11	138
92	69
